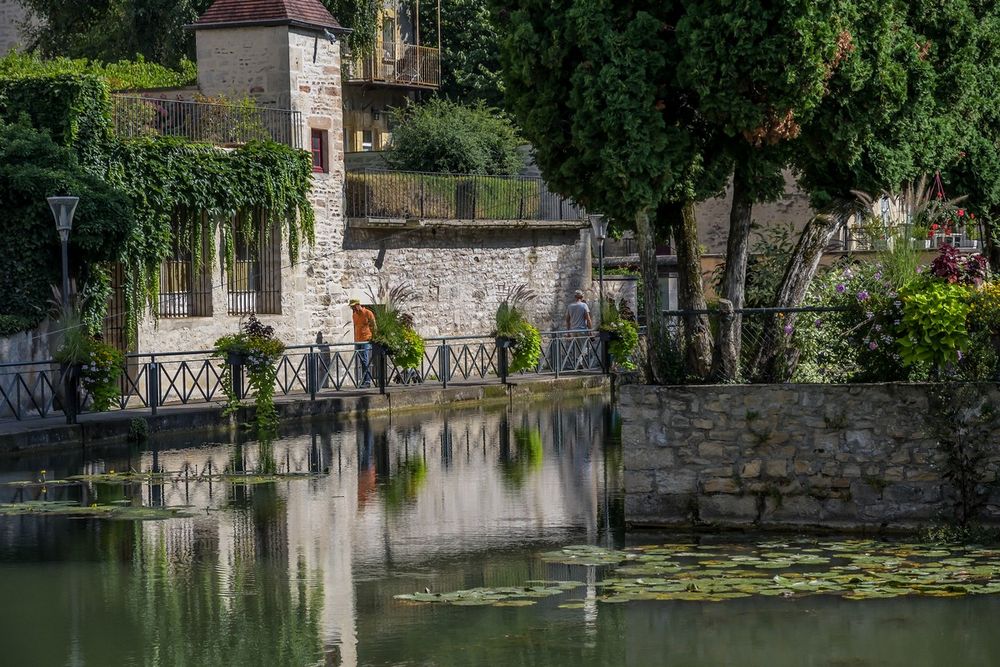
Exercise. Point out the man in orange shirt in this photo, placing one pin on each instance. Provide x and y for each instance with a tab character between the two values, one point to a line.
364	327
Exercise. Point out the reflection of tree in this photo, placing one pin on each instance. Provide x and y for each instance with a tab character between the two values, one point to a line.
193	613
525	457
403	486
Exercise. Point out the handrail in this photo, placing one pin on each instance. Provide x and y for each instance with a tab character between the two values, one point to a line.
35	389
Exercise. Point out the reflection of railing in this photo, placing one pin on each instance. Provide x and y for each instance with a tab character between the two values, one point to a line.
410	194
418	66
30	389
220	124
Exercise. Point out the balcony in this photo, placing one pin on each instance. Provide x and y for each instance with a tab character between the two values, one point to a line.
387	199
226	125
413	67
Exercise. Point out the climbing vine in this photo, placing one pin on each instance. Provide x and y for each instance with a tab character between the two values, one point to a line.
153	189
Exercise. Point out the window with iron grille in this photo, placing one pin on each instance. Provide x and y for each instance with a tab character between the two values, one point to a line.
254	283
114	332
185	284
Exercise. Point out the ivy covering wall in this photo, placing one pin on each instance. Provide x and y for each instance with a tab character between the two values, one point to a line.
57	138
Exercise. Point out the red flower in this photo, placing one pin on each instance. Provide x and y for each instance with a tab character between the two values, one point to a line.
961	212
972	216
930	235
934	226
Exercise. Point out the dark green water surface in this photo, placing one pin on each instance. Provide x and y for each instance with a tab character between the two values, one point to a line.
304	571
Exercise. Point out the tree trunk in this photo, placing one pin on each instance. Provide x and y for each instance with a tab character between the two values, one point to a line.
776	361
735	275
651	295
691	292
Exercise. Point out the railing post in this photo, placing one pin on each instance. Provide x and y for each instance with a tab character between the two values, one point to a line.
605	354
153	385
421	196
381	367
312	376
556	353
503	367
444	361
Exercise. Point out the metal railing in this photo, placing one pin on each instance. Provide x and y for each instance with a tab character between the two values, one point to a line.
418	195
409	65
33	389
219	124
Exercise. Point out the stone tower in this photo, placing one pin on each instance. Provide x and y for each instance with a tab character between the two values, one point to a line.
286	54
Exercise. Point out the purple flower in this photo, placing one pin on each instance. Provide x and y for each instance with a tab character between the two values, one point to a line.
878	275
840	288
873	346
789	328
863	295
818	322
920	269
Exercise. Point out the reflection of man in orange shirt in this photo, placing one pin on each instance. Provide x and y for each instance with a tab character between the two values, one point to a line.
364	328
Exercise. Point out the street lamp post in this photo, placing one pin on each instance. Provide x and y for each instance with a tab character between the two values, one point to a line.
599	225
63	209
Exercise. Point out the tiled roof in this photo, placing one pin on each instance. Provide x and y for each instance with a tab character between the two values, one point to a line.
309	13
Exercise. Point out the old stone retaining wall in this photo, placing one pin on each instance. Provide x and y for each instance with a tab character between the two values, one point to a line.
837	456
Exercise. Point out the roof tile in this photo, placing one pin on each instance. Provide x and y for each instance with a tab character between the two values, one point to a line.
249	12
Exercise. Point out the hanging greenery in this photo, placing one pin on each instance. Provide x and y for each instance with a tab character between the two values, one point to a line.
150	188
256	350
512	325
197	191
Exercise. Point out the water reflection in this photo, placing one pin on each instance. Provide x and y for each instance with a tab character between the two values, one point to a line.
299	571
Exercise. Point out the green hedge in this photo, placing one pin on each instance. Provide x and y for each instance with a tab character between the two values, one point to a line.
122	75
74	108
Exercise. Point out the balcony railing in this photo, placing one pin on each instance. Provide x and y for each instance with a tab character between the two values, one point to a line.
219	124
415	66
402	195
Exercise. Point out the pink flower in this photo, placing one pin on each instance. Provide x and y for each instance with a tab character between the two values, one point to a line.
873	346
961	212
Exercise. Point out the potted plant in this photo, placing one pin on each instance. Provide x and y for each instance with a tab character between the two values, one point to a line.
255	350
395	335
515	333
87	363
619	334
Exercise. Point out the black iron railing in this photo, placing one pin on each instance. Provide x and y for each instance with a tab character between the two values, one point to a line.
420	195
220	124
30	390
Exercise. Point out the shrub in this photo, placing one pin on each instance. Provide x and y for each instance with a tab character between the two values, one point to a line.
121	75
933	327
442	136
625	335
953	267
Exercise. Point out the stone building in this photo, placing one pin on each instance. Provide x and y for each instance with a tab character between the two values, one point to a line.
399	70
287	55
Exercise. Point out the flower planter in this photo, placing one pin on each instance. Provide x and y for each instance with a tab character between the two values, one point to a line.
609	336
67	392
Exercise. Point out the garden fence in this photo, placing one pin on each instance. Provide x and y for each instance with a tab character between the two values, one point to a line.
403	195
30	390
762	331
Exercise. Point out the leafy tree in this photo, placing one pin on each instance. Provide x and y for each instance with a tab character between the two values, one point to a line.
758	71
592	86
443	136
33	167
470	59
112	30
910	98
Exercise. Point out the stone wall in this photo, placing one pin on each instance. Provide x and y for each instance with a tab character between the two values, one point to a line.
839	456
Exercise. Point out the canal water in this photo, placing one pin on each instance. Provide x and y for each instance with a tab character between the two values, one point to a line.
304	570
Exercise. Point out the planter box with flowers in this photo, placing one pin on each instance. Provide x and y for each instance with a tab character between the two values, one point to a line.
256	351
